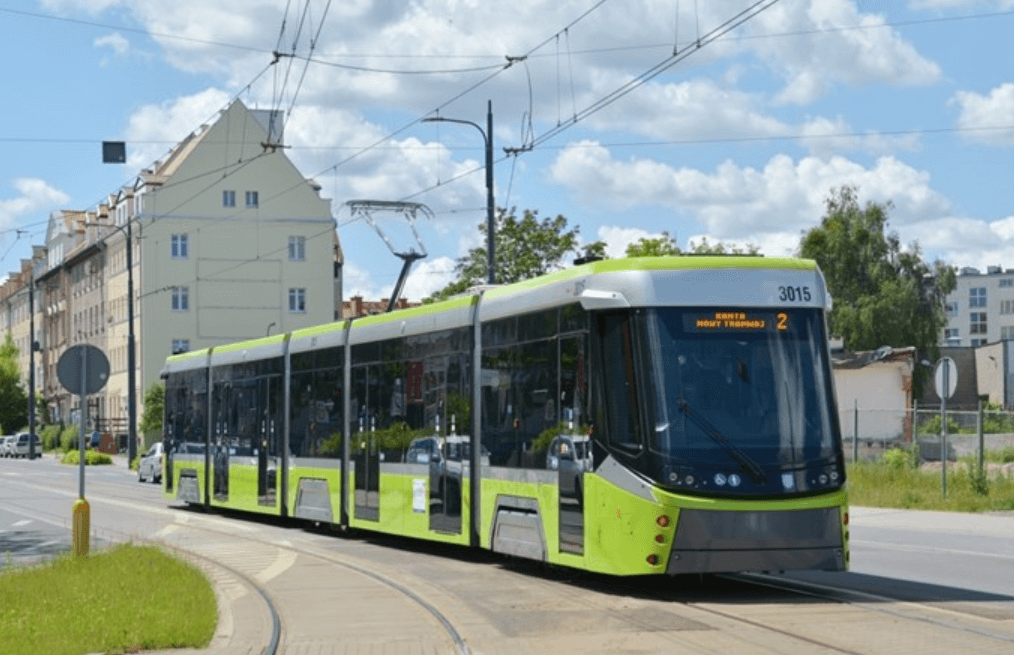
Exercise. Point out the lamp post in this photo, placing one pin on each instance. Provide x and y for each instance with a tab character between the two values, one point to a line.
31	363
487	136
131	357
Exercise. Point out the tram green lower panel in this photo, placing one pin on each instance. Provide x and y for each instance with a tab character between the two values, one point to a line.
401	516
243	494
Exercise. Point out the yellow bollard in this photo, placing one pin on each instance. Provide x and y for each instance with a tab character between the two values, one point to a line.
82	520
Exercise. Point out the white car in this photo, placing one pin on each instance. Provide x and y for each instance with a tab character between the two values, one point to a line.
7	446
150	466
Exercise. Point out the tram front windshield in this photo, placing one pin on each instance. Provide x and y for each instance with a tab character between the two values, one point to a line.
746	392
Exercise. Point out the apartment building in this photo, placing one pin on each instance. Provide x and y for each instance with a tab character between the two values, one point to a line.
980	310
229	242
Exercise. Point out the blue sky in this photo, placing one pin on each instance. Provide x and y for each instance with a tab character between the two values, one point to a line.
739	140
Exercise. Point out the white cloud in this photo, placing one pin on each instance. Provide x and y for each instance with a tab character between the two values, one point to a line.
618	238
819	53
160	127
115	41
736	202
34	196
987	111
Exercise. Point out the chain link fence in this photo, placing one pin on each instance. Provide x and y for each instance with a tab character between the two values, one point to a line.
869	433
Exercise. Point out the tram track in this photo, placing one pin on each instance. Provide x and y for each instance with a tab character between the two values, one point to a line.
113	496
722	602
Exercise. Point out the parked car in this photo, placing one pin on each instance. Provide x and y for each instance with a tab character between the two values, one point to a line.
150	466
22	445
7	445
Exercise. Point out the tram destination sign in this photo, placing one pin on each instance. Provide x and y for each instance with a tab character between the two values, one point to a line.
735	321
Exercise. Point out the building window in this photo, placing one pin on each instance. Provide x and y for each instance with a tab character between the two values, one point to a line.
1007	282
297	249
297	301
228	198
181	299
1007	306
251	198
179	246
1007	333
181	346
952	333
952	309
977	323
978	342
977	297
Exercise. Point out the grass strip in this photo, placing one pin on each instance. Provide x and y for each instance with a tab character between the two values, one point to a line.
122	600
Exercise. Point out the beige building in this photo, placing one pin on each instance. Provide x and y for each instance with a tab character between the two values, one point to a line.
230	242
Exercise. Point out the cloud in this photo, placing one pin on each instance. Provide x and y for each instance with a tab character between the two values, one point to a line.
115	41
154	129
817	53
987	111
34	196
736	202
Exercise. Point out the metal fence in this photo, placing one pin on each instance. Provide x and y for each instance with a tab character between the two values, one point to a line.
869	433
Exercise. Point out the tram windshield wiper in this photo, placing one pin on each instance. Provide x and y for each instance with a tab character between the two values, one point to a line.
750	467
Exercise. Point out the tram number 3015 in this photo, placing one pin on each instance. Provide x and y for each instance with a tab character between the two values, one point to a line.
794	294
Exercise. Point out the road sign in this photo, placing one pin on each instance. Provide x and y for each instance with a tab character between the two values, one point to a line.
945	377
94	362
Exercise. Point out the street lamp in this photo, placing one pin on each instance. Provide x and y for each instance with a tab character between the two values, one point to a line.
131	358
487	136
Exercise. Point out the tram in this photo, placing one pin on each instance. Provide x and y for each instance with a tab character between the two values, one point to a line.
634	416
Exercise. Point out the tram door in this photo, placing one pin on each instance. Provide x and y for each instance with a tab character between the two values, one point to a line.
365	454
267	447
570	452
220	441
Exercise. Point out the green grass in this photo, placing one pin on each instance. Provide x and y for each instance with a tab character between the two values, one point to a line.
883	484
122	600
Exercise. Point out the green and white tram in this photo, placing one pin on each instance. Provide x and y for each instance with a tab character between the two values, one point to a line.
632	416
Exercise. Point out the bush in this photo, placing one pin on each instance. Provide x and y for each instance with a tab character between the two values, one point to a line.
932	426
92	457
50	436
898	459
68	438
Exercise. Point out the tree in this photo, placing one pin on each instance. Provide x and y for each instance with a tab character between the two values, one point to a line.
524	248
719	248
883	295
13	398
661	246
154	406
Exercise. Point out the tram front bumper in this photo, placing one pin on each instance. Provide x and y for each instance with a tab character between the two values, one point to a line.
709	541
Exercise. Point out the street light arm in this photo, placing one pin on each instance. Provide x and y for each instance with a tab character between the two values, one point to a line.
487	137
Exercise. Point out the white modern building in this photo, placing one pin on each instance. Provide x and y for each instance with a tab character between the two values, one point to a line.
980	310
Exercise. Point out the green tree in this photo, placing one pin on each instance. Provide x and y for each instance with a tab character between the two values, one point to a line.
661	246
524	248
720	248
154	407
13	398
883	295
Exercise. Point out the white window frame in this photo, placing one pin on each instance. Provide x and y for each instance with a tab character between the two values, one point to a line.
297	249
977	297
297	301
228	198
252	199
180	248
180	299
180	346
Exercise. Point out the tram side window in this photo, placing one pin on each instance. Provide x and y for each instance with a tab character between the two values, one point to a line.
316	424
619	375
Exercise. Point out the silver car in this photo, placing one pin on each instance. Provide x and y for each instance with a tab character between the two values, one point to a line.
22	447
7	446
151	464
